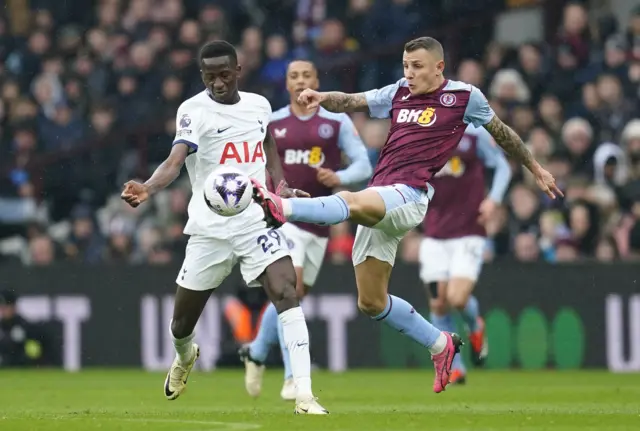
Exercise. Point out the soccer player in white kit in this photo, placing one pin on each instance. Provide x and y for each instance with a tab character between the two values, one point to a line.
223	126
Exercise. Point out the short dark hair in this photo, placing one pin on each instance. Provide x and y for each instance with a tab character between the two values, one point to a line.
303	60
426	43
218	48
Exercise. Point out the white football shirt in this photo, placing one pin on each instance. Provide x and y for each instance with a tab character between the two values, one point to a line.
219	134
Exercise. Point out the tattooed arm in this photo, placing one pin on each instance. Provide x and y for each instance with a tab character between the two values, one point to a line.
336	101
511	143
513	146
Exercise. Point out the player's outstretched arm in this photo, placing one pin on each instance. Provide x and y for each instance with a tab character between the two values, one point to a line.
336	101
135	193
511	143
515	147
168	170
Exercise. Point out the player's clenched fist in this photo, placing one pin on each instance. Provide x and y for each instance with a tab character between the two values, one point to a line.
311	98
134	193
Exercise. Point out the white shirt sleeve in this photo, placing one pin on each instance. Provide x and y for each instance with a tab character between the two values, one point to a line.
188	127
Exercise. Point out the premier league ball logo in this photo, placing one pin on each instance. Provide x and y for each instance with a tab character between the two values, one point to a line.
230	188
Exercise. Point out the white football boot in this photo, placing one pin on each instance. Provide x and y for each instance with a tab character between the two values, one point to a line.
253	372
309	406
288	392
176	381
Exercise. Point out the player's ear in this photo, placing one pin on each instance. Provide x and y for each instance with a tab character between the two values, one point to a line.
238	69
440	67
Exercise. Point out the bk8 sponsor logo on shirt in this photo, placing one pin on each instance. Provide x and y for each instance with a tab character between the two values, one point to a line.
423	117
313	157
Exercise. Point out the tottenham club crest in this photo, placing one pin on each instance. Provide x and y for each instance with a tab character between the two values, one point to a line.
185	121
448	99
325	131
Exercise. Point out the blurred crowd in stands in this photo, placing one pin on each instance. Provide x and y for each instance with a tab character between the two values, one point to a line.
89	91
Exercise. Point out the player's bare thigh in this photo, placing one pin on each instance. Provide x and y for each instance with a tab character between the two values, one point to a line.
372	280
366	207
458	292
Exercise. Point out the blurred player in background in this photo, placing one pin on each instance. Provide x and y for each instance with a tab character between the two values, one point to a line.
223	126
311	143
455	237
429	115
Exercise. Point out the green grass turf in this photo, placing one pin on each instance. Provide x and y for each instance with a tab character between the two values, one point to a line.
358	401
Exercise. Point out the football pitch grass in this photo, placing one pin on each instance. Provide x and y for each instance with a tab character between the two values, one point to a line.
358	401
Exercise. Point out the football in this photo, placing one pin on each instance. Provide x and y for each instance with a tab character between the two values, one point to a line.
227	191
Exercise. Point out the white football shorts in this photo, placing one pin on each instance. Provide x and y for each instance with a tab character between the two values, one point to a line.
406	209
307	251
208	261
444	259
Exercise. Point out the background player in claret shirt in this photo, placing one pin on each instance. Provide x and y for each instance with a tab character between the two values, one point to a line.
310	143
429	115
223	126
455	237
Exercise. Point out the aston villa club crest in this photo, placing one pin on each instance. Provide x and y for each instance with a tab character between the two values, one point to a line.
448	99
325	131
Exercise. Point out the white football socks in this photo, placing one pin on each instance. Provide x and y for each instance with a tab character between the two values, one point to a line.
439	345
184	348
296	337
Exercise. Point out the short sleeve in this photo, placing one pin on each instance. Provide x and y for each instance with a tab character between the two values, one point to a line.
381	99
478	111
187	127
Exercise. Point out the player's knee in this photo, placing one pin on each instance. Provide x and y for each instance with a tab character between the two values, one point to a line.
372	305
286	297
180	328
355	208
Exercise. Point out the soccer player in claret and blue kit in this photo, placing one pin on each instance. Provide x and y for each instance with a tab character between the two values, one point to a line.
311	143
429	115
451	253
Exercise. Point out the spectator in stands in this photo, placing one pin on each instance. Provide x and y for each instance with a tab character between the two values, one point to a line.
42	251
577	138
85	243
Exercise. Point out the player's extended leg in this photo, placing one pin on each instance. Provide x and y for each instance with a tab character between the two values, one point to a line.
366	207
435	261
288	391
279	281
207	262
188	306
460	297
372	277
442	318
